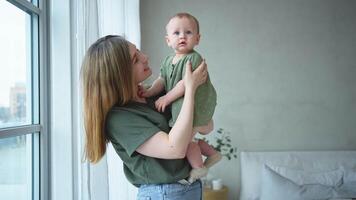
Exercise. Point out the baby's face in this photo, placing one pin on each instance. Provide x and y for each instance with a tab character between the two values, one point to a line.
182	35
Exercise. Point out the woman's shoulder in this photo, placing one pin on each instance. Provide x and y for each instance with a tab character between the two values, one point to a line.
131	107
122	118
120	114
126	112
134	118
134	112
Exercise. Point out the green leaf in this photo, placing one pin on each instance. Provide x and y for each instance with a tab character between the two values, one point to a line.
222	143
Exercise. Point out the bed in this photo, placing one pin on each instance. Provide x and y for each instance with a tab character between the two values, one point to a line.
298	175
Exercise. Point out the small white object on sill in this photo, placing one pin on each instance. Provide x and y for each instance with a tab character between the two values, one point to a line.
217	184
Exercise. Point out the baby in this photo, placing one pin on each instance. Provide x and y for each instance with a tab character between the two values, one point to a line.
182	36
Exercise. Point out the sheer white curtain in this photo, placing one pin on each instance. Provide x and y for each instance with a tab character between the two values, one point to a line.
105	180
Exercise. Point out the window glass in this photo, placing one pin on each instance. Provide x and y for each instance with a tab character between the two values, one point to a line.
19	101
16	168
15	70
34	2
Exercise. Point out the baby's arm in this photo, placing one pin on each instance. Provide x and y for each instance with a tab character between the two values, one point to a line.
156	88
171	96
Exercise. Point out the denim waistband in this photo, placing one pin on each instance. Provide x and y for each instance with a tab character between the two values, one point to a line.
171	191
180	183
184	182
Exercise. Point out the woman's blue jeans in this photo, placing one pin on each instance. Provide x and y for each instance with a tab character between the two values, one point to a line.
173	191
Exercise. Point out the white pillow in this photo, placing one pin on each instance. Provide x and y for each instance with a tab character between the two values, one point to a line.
277	187
303	177
312	161
340	199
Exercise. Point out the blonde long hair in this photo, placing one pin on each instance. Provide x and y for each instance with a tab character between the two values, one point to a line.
106	78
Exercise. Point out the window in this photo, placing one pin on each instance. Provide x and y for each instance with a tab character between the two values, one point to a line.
22	101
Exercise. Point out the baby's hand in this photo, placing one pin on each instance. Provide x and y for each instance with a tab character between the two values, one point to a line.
162	103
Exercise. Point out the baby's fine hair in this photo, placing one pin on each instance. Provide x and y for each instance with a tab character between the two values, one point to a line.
186	15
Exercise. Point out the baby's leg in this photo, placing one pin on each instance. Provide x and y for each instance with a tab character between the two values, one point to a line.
196	161
206	149
194	155
212	155
205	129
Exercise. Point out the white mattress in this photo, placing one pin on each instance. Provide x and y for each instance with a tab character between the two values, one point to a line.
252	163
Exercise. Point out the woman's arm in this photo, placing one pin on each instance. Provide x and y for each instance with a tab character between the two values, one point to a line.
174	144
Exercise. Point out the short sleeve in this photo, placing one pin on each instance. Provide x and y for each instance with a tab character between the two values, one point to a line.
163	76
129	130
163	71
196	59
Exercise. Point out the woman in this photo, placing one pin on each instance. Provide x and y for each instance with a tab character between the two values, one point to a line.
153	154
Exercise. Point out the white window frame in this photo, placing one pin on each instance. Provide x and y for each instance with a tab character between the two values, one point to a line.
39	130
65	149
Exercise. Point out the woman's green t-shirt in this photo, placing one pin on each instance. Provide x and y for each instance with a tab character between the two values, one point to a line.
129	126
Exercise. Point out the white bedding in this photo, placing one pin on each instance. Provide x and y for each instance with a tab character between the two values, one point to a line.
313	162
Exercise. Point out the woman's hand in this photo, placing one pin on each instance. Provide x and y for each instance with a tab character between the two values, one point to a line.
192	80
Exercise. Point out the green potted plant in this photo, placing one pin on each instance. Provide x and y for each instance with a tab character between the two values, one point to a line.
222	143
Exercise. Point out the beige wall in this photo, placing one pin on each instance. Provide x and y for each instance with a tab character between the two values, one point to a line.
284	71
